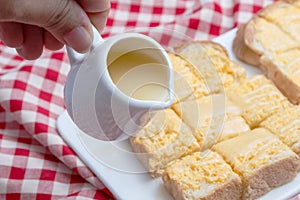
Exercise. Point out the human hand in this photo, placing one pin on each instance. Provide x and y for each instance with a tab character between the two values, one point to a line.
28	25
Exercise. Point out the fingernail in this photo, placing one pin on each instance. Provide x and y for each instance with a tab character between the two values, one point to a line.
79	39
20	51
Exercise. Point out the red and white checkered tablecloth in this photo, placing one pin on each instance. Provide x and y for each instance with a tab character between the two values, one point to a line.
35	162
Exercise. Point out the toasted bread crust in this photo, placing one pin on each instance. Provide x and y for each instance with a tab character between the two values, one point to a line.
249	32
281	80
270	177
229	191
242	51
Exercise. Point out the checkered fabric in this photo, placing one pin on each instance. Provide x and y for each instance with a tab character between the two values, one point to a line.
35	162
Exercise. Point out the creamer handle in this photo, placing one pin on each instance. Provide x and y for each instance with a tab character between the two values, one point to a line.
77	58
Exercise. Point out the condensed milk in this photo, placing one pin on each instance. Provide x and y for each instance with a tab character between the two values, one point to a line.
140	76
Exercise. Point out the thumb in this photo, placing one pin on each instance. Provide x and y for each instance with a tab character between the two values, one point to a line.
64	19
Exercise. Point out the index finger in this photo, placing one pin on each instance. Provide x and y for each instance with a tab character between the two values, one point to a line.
98	19
95	6
97	10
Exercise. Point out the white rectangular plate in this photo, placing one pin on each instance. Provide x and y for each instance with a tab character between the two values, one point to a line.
118	167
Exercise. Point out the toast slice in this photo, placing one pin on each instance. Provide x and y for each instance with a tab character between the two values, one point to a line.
212	62
204	176
271	40
265	37
164	139
261	159
213	118
258	98
187	83
258	38
283	69
286	125
286	15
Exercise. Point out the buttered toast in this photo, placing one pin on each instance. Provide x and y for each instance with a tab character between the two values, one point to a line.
213	64
271	40
202	68
202	175
258	98
286	125
212	118
261	159
187	82
175	144
164	139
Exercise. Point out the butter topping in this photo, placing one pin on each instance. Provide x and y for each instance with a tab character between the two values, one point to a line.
286	125
164	139
186	81
258	98
193	170
272	42
252	150
211	118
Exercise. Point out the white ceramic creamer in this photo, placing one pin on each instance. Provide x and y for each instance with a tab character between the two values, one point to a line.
111	91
